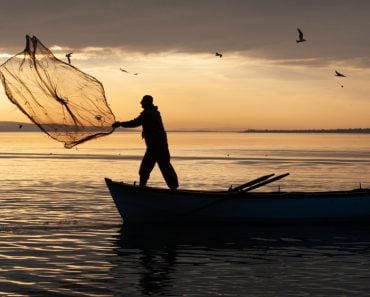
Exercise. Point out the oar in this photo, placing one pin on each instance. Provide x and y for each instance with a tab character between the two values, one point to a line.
251	183
193	211
265	182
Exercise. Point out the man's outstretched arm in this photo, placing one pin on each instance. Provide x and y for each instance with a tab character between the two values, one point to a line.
129	124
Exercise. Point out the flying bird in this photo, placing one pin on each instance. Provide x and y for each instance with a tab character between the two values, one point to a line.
300	37
20	126
69	55
218	55
339	74
123	70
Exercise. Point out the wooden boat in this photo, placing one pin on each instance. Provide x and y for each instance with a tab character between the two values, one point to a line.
150	204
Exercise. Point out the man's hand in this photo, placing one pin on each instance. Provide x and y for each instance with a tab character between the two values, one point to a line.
116	124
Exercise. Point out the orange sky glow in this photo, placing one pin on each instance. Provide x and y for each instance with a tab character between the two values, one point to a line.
264	80
236	92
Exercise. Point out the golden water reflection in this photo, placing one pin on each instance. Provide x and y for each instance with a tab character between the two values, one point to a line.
61	234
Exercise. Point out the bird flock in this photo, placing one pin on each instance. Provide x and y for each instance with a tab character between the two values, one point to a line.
220	55
299	40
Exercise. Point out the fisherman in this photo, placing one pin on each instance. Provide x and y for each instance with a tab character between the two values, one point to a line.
156	143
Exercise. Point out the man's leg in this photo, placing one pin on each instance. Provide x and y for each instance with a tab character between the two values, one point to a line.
169	173
146	167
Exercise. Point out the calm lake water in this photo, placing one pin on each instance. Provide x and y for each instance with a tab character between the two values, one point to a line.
62	236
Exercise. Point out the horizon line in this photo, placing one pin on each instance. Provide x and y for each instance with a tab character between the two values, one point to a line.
12	126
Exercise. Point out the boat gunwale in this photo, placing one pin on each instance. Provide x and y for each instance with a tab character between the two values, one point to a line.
241	195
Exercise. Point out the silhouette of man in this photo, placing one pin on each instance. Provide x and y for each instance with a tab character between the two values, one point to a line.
156	143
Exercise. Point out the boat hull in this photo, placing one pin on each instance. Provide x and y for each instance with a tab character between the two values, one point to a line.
137	204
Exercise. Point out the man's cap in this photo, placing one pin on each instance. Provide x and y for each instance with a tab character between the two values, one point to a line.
147	99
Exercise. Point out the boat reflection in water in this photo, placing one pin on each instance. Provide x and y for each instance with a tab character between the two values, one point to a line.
242	259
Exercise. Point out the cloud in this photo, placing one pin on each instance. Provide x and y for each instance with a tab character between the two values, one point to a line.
264	29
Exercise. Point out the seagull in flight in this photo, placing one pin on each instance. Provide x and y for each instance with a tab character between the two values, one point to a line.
123	70
69	55
218	55
339	74
300	37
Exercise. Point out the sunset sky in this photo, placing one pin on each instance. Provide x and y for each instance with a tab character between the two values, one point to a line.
265	80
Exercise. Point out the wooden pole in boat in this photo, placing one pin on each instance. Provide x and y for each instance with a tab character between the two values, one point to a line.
193	211
265	182
250	183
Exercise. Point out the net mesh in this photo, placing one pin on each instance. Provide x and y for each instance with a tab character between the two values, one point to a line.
66	103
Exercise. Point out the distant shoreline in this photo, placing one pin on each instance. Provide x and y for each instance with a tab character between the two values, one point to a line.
349	130
30	127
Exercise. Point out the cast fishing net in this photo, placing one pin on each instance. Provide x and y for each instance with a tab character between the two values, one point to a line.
66	103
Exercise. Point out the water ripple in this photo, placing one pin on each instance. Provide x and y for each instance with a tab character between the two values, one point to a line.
61	234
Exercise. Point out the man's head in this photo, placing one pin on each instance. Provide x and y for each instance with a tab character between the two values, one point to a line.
147	101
